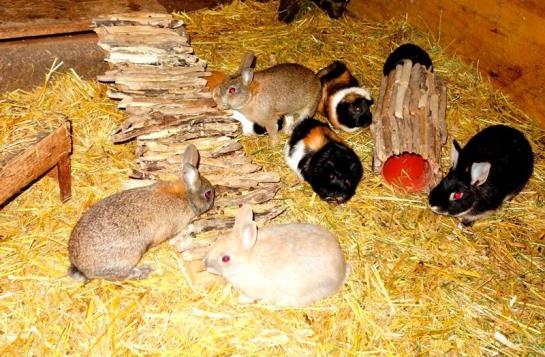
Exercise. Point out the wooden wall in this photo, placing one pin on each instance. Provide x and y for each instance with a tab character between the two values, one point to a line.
506	37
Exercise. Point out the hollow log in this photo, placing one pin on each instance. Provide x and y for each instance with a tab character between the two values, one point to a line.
409	118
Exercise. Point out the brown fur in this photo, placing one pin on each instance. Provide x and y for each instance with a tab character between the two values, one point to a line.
284	89
319	136
215	79
329	88
110	238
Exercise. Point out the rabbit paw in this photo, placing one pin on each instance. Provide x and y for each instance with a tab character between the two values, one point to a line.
245	299
141	272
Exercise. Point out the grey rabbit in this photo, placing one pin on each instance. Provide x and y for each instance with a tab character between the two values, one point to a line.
112	236
494	166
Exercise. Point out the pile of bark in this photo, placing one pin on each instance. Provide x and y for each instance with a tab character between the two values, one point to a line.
161	84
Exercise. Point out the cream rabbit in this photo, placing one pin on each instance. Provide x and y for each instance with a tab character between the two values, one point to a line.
288	265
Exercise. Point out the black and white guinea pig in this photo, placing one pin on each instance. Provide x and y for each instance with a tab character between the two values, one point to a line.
317	155
493	167
343	102
407	51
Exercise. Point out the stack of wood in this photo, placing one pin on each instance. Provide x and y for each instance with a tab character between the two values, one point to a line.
410	117
162	86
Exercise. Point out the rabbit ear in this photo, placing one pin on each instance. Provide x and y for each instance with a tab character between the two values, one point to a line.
190	176
479	173
247	76
249	235
191	156
244	215
454	153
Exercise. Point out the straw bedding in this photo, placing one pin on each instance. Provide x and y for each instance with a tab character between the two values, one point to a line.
419	285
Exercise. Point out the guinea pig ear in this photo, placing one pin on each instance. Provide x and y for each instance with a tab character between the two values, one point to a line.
191	156
479	173
190	176
247	76
249	235
454	153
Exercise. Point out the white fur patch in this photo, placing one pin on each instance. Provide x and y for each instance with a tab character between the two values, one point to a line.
336	98
297	154
247	124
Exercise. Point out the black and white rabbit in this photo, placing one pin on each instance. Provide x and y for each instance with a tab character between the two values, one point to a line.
407	51
493	167
317	155
343	102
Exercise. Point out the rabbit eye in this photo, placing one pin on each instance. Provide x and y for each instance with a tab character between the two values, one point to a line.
232	90
455	196
225	259
208	195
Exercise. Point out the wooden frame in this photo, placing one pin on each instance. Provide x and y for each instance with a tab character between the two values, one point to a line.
50	154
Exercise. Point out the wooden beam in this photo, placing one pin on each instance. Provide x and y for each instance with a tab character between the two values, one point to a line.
38	159
504	37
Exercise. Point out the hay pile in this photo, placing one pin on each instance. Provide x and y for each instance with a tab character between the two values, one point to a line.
419	284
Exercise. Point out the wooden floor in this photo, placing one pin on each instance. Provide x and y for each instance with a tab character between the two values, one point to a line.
505	39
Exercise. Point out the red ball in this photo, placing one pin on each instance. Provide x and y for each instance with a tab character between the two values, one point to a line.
407	172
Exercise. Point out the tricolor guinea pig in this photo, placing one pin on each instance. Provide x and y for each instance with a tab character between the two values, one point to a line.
407	51
317	155
343	102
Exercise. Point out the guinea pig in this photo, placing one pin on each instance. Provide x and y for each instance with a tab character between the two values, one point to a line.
343	102
112	236
317	155
407	51
262	97
287	265
493	167
288	9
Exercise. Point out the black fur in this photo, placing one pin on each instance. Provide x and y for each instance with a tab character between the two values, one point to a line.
407	51
334	171
335	70
356	113
259	130
288	9
511	159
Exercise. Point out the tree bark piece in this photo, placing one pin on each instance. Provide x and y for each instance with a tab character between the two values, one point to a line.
161	85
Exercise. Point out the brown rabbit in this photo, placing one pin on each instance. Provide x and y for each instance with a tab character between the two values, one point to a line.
263	97
112	236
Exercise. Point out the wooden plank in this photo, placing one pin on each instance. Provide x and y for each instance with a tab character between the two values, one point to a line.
36	161
504	37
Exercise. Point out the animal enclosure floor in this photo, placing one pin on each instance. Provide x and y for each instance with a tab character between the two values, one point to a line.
419	285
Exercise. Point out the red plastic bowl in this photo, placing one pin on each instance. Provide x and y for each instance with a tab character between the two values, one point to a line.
407	172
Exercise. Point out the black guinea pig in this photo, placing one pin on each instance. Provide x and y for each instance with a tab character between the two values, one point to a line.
344	103
288	9
407	51
493	167
317	155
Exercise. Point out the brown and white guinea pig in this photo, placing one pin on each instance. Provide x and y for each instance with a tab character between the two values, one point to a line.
112	236
494	166
407	51
317	155
287	264
343	102
288	9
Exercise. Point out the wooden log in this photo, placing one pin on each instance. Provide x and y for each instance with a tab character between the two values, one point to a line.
410	117
51	151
